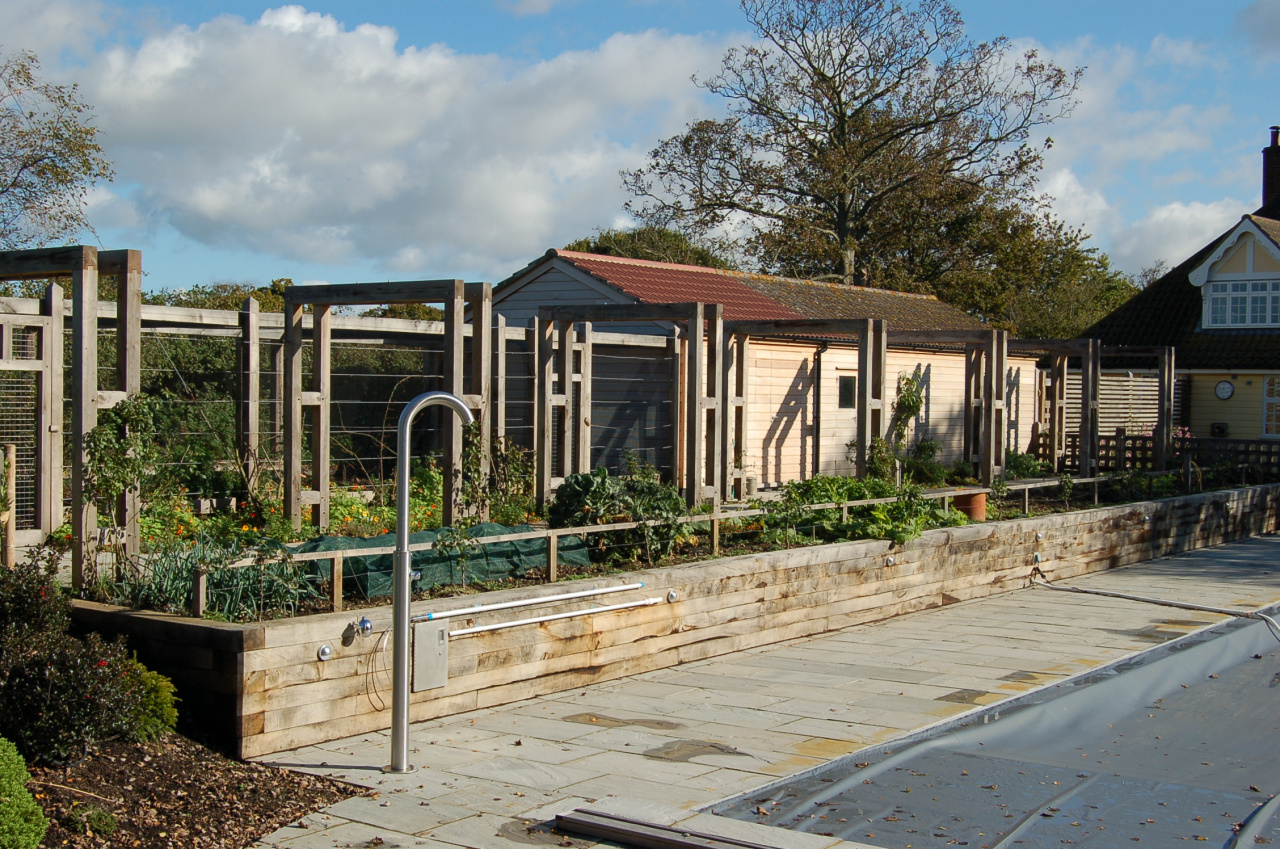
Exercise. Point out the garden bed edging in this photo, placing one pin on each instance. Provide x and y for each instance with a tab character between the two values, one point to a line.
260	688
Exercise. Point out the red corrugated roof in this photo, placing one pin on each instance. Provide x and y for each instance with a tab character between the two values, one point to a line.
664	283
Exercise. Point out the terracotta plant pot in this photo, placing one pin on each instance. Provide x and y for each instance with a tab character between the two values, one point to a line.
972	504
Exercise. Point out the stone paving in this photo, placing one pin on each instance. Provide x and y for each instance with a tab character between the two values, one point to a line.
679	739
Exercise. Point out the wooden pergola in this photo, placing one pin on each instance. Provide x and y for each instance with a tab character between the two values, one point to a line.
456	296
84	265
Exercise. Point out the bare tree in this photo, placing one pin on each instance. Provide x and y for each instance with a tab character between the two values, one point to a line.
842	114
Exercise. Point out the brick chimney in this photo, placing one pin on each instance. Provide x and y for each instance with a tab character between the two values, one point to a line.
1271	169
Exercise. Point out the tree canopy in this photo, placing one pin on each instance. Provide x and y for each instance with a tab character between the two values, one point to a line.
49	156
858	132
658	244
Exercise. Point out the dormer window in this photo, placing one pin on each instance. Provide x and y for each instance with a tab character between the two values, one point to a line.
1241	280
1244	303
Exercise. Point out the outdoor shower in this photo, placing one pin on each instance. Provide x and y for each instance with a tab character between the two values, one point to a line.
401	588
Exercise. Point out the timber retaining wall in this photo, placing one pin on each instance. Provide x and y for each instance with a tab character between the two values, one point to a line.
260	688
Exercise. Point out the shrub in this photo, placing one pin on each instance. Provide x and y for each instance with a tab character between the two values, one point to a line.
157	711
90	819
1018	466
65	696
59	696
22	823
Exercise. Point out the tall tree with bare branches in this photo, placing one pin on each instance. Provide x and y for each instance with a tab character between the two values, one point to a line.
846	119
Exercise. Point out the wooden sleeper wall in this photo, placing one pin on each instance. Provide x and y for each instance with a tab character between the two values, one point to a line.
264	686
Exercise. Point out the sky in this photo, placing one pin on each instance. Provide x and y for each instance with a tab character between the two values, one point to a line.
340	141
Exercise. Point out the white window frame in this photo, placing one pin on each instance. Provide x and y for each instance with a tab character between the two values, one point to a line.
1271	405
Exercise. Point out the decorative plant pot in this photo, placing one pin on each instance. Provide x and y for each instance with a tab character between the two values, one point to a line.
972	504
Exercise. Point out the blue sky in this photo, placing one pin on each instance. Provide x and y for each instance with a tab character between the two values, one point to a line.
340	141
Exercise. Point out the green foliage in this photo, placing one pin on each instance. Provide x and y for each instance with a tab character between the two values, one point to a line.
597	498
1019	466
1066	487
222	296
49	156
919	465
269	586
90	819
903	519
157	713
506	492
22	823
657	244
122	450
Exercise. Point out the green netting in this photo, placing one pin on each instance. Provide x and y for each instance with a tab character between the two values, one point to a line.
370	576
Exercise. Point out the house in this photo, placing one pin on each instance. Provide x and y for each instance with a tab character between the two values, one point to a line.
1221	310
800	391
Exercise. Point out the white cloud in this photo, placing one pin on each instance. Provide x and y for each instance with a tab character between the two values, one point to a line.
1259	23
297	137
1173	232
1075	203
49	27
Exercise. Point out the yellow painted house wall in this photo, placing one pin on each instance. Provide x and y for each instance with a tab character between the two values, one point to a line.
1242	412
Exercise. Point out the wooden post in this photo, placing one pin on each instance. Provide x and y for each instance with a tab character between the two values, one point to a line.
127	268
277	399
543	437
335	580
498	394
480	300
9	555
321	386
564	434
553	557
715	531
1090	378
250	393
1058	411
454	344
872	375
717	407
1026	501
1121	438
675	344
200	595
583	424
84	411
994	355
728	423
1164	412
49	421
973	386
695	432
292	403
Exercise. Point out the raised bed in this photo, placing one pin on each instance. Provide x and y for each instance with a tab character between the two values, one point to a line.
260	688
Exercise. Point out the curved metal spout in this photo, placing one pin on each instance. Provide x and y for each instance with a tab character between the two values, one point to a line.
400	576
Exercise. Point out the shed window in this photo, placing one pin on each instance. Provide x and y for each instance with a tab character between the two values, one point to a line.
848	391
1271	407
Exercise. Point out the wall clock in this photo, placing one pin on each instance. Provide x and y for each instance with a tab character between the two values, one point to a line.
1225	389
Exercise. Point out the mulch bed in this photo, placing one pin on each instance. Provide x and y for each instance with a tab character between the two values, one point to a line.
173	793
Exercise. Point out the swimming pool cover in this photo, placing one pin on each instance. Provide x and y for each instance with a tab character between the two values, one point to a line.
1179	745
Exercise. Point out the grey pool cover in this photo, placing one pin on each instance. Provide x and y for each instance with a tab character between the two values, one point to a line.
1179	745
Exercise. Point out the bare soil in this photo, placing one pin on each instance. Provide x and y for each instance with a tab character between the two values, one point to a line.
173	793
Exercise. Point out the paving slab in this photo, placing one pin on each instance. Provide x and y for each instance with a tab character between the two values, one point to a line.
679	739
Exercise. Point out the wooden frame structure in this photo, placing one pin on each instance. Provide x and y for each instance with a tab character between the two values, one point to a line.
700	373
456	297
84	265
